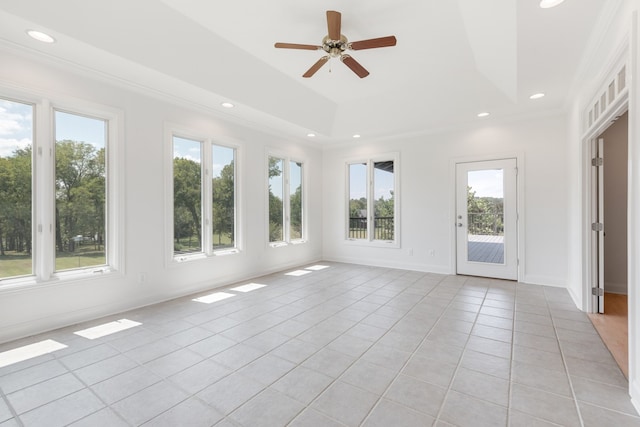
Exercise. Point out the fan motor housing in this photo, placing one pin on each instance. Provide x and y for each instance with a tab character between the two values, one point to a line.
334	48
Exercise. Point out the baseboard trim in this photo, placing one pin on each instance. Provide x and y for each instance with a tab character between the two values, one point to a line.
615	288
424	268
635	395
545	281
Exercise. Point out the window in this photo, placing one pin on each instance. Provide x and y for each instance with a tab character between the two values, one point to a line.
16	140
203	225
71	223
372	203
187	196
286	201
276	200
223	197
80	191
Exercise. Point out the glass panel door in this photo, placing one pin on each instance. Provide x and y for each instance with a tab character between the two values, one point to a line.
486	219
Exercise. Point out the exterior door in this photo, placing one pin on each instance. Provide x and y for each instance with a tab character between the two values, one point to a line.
486	219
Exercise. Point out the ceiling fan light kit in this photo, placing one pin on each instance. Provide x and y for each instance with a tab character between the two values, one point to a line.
334	44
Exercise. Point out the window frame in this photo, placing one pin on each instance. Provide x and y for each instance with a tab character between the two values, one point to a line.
286	202
207	142
369	161
43	188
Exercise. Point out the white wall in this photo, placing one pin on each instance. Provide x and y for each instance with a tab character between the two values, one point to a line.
45	306
426	193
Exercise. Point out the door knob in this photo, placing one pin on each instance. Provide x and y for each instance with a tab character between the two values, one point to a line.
459	224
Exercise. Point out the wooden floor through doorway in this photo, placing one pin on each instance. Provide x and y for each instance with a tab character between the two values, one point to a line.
613	328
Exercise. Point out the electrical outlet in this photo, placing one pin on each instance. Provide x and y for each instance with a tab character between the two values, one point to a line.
410	251
432	252
142	277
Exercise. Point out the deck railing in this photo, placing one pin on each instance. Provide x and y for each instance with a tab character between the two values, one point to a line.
486	223
383	228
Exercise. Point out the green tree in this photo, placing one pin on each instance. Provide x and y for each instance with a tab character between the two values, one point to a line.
295	200
276	213
187	197
384	212
15	202
80	193
224	206
485	214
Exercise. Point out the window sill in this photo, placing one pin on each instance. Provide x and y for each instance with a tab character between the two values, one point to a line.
190	257
283	244
29	283
391	244
278	244
225	252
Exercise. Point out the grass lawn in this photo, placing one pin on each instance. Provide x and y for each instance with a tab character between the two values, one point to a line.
14	264
84	257
186	245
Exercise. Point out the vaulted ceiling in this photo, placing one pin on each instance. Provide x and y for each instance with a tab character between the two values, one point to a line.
453	59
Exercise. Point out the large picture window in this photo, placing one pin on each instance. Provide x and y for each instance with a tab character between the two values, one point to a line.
286	201
16	142
70	223
203	225
372	200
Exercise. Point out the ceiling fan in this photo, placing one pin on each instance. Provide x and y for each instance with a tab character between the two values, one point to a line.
335	44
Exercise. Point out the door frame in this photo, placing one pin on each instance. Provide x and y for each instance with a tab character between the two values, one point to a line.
520	205
590	254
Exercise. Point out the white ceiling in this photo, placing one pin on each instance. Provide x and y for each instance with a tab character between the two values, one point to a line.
453	59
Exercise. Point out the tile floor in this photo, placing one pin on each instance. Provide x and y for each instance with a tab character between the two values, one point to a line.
346	345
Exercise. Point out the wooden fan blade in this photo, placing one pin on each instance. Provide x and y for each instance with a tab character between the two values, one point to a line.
354	65
315	67
297	46
373	43
333	23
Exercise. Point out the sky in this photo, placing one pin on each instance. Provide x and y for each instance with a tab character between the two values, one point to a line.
486	183
191	149
383	182
80	128
16	130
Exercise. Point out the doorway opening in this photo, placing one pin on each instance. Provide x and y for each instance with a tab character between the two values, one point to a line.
609	190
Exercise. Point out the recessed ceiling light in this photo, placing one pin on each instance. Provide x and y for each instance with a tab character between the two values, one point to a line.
227	105
40	36
485	114
356	135
311	135
537	96
546	4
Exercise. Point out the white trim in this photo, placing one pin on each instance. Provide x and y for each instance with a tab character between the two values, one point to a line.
286	198
172	130
369	161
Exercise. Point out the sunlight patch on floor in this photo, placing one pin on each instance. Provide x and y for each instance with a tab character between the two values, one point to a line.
248	288
30	351
316	267
297	273
211	298
107	329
